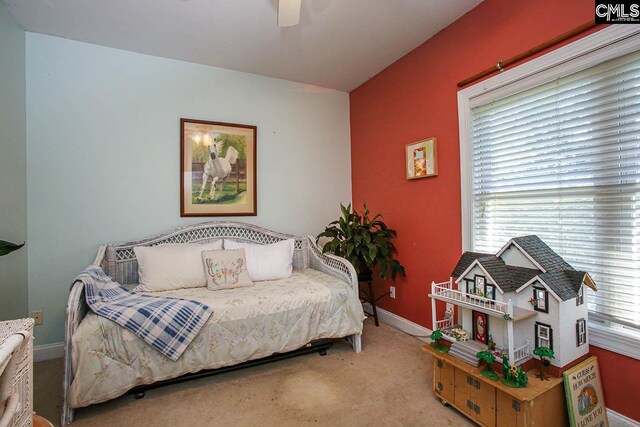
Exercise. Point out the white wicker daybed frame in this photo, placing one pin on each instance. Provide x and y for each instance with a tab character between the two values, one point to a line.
119	261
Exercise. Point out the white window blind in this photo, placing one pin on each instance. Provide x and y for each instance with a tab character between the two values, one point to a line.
562	160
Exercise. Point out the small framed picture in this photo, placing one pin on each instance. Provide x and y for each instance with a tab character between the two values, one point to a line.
422	159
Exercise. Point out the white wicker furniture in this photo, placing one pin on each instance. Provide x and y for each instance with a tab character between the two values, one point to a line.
16	373
119	261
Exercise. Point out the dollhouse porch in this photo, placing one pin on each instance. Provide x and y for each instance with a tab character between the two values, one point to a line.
463	343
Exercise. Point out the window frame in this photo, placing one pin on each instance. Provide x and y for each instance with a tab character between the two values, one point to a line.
581	337
536	290
580	297
608	43
537	334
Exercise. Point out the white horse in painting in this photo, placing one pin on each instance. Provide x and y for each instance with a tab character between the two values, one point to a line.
218	168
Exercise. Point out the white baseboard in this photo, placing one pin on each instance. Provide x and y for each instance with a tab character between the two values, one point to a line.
48	351
400	323
411	328
619	420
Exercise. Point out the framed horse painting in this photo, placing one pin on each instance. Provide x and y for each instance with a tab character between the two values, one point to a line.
217	169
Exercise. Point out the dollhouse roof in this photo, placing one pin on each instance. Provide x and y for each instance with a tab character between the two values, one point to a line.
465	261
556	273
541	253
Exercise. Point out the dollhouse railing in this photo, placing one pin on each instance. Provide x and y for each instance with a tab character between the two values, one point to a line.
445	323
445	290
521	352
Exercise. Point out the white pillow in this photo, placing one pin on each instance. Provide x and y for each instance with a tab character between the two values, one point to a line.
267	262
172	266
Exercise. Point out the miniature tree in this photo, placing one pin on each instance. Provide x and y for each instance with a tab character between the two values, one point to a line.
436	336
544	353
488	358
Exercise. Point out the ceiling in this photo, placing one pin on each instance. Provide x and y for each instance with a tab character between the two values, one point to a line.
339	44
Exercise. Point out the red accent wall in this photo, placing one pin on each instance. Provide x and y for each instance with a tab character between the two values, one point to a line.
416	98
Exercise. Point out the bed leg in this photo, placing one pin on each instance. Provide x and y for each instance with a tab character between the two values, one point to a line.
138	395
356	342
67	415
322	352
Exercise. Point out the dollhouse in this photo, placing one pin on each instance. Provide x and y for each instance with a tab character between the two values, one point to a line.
523	297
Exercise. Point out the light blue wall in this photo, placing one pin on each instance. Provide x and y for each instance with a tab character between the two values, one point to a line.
103	153
13	167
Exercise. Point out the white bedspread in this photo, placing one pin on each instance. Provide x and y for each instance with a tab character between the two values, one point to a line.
247	323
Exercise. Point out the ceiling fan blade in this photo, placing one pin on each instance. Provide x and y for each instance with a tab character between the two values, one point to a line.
288	13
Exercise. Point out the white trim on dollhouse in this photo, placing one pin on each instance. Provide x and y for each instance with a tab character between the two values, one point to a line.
538	279
522	251
474	263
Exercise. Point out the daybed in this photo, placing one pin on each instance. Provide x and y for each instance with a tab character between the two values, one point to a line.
320	300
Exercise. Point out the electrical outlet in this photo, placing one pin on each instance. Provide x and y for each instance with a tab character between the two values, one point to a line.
38	316
392	291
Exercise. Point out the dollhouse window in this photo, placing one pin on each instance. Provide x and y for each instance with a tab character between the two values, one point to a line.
581	332
544	336
471	286
541	299
479	285
580	297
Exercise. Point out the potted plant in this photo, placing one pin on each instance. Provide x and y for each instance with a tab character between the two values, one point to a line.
365	242
8	247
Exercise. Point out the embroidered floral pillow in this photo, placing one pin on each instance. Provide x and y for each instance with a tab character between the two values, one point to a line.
226	269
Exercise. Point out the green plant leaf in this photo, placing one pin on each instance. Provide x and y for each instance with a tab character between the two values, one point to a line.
8	247
363	241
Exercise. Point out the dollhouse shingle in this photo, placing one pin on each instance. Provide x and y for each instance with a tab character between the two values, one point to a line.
541	253
566	284
521	275
465	261
497	269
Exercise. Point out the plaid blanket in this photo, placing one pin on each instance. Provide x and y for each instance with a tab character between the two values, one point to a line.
167	324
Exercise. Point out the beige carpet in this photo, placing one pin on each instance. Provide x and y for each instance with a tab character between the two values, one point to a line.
388	384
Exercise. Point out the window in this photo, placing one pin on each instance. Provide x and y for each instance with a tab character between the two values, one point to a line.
581	332
580	298
541	299
479	285
544	336
471	286
552	148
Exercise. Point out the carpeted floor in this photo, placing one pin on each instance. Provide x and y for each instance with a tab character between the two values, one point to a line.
388	384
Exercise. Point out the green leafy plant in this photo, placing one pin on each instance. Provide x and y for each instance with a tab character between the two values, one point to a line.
8	247
488	358
513	376
436	336
365	242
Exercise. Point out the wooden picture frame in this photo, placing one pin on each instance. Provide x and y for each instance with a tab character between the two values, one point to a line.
585	399
422	158
223	156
